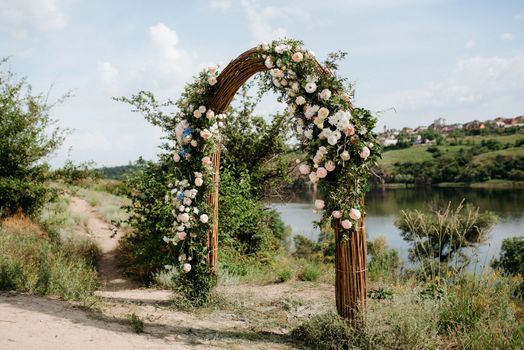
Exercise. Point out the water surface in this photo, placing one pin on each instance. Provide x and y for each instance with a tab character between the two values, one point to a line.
383	206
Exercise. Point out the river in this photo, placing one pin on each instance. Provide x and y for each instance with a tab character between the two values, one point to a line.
384	205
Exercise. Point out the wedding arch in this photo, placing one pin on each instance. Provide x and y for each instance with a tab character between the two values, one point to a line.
336	136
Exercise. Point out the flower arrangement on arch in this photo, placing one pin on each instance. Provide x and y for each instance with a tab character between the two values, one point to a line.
336	137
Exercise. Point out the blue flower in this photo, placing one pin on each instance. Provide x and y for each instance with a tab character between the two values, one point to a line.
187	132
180	195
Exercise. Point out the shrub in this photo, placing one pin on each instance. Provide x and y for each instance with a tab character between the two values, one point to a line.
74	174
28	136
284	275
385	262
137	325
511	259
331	332
311	272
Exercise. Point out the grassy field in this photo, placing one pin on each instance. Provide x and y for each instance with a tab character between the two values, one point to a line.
419	153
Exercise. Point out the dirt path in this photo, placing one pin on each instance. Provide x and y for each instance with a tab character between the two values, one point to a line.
111	275
251	317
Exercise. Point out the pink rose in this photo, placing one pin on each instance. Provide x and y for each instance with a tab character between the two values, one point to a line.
205	134
187	267
337	214
355	214
350	130
321	173
364	154
330	166
319	204
346	224
313	177
304	169
181	235
297	57
206	161
199	181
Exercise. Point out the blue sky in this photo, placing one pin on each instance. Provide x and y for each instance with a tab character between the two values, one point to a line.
415	59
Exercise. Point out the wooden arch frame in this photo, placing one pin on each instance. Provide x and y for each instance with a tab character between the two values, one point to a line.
350	254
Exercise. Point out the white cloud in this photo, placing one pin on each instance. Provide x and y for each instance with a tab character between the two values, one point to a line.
222	5
169	62
261	20
40	14
108	74
506	36
474	81
470	44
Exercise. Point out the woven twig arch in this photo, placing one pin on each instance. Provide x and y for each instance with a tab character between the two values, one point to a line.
350	254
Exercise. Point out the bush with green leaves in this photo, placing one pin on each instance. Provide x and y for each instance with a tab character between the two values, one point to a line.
511	260
74	174
28	135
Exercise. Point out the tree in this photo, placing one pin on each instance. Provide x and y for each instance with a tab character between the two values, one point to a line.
440	234
28	136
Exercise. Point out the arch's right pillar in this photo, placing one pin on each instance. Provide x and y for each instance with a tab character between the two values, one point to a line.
351	273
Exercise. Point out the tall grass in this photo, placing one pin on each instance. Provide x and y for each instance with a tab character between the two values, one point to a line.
35	265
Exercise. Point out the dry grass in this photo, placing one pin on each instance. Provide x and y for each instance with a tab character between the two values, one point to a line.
21	224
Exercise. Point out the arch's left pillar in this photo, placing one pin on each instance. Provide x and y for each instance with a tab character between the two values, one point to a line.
228	82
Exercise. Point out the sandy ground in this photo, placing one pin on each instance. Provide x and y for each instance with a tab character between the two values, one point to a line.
30	322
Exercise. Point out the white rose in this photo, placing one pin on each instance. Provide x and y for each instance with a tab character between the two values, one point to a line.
300	100
199	181
323	112
332	139
319	204
269	62
210	114
204	218
295	86
212	69
184	217
325	94
313	177
319	122
187	201
344	155
176	157
197	114
202	109
212	80
310	87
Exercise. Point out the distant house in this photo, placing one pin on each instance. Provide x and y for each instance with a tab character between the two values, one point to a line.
389	142
473	125
439	123
421	128
408	131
